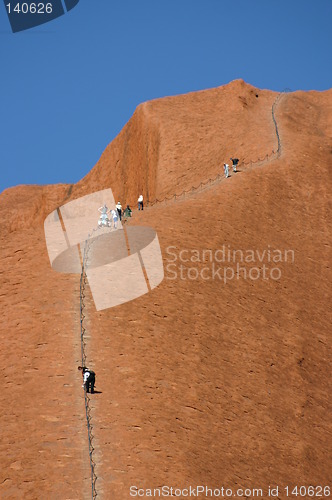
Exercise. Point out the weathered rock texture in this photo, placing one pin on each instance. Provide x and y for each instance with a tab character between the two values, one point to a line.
201	381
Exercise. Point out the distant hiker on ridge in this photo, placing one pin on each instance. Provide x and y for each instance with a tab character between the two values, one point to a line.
226	171
140	202
89	378
119	209
235	162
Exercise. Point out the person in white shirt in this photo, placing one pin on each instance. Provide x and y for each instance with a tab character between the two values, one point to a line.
226	171
103	219
114	214
140	202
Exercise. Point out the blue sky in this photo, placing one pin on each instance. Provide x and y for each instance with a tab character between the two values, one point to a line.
69	86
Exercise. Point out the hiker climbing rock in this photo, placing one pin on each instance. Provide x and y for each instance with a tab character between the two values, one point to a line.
140	202
103	219
114	214
235	162
119	210
89	378
226	171
127	211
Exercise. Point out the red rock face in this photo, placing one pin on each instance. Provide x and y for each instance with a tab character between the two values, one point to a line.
201	381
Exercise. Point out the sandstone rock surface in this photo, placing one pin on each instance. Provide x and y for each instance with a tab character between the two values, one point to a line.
201	381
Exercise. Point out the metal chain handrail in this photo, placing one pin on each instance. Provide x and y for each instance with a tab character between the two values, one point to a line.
210	182
83	280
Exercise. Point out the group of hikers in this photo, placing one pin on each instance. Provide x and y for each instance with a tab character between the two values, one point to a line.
235	162
116	213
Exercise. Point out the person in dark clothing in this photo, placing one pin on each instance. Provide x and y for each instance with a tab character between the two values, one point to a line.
235	162
89	378
127	211
119	210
